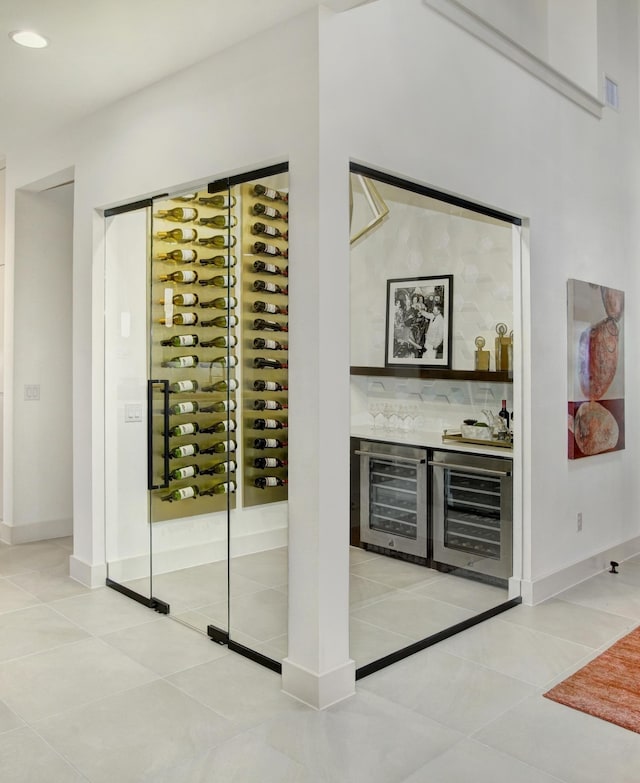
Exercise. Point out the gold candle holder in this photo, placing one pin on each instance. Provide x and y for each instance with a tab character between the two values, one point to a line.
503	343
482	357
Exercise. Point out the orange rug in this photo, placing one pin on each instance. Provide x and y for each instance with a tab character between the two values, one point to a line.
607	687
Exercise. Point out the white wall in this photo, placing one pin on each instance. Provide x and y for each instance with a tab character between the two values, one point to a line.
436	105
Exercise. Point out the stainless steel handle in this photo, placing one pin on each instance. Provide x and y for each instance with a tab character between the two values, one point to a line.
390	457
470	469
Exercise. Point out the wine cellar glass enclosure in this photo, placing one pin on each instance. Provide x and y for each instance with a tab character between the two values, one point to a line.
196	339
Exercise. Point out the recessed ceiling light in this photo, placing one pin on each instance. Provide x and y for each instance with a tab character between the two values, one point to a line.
29	38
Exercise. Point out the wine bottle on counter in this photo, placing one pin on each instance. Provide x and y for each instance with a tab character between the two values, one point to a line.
179	214
182	319
184	386
269	345
222	321
269	250
188	428
269	231
269	193
265	482
221	303
185	255
267	307
219	201
182	494
268	405
184	300
504	414
260	363
262	385
219	221
222	406
269	212
272	269
183	276
269	462
269	443
190	360
268	424
224	262
221	447
260	325
222	386
227	466
270	288
180	408
188	450
188	471
223	341
221	281
218	240
178	235
227	425
224	488
181	340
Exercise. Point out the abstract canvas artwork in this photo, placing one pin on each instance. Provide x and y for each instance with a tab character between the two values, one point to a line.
596	369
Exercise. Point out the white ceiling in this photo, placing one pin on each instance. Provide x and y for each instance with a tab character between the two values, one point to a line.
102	50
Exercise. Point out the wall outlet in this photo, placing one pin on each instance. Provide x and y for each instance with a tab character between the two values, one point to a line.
579	520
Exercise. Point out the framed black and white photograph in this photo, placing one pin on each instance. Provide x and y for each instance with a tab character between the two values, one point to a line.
419	314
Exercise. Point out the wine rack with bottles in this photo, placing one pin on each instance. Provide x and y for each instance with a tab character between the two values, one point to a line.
265	339
194	306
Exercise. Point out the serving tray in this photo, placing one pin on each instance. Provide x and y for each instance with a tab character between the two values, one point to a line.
457	436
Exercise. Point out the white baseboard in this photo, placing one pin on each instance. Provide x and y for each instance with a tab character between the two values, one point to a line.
87	574
538	590
319	690
35	531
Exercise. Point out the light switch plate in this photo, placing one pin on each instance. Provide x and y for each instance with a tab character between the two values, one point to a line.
32	391
132	413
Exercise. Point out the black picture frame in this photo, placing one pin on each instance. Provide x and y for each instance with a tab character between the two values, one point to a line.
416	305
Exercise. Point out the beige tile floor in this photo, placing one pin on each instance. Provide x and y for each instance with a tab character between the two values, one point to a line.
140	698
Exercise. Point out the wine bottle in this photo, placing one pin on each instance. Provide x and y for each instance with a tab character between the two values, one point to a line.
222	386
504	414
219	201
268	405
269	462
221	281
188	428
218	240
269	193
184	254
178	235
223	488
188	450
226	425
188	471
222	361
183	276
223	341
269	345
260	325
184	300
179	214
261	385
264	229
182	319
222	321
221	447
184	386
269	212
191	360
181	408
260	363
186	197
227	466
224	262
272	269
269	250
270	288
265	482
221	303
219	221
182	494
268	424
267	307
222	406
181	340
268	443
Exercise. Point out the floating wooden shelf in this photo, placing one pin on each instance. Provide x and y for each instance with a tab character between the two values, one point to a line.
501	376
